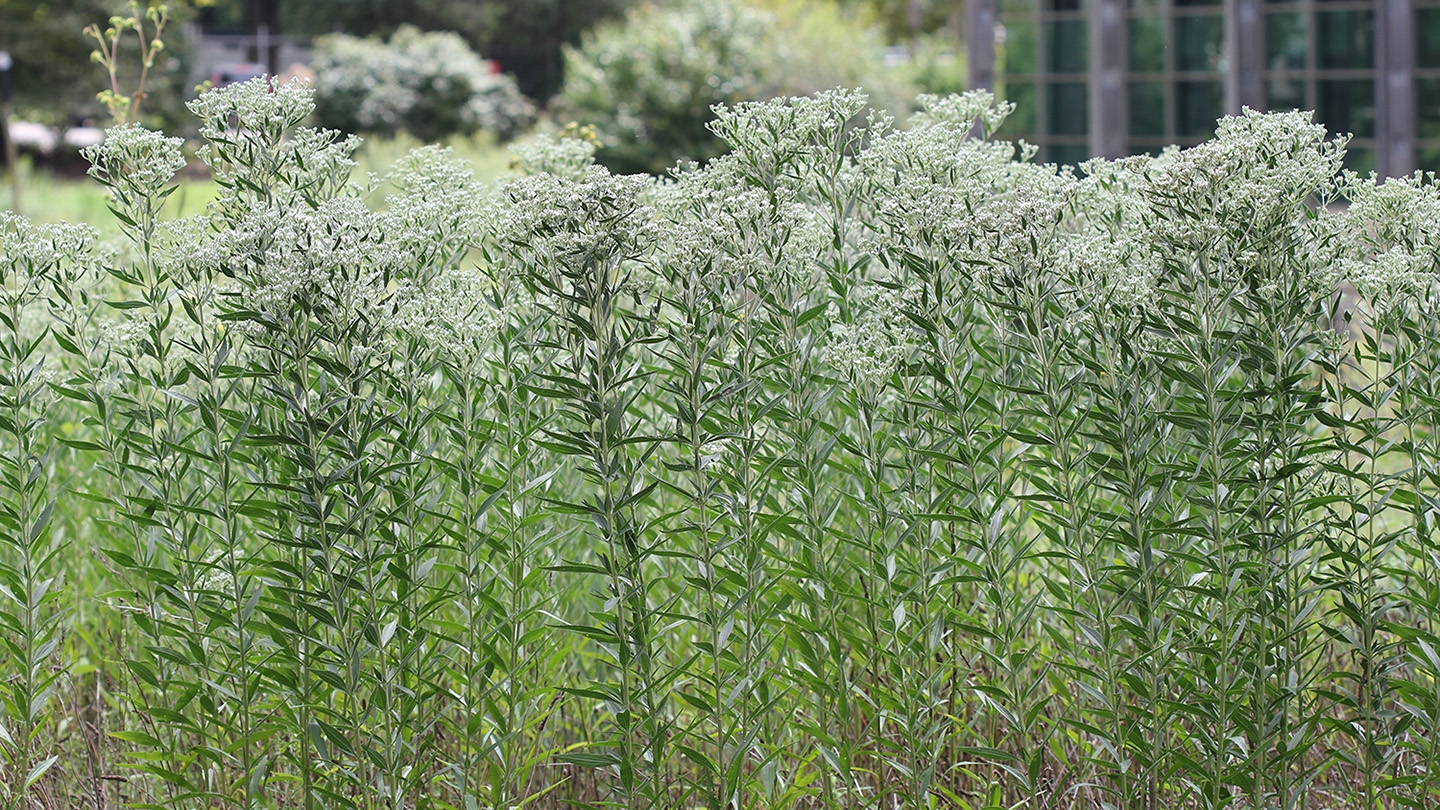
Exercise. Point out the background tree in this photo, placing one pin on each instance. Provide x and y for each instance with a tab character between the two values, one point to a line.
55	81
905	20
524	36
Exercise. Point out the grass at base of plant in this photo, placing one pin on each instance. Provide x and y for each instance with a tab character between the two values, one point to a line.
46	197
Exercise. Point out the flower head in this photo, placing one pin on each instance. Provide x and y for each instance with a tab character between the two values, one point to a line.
136	164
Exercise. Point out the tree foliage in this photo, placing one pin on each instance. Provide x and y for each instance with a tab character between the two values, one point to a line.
906	19
55	79
647	83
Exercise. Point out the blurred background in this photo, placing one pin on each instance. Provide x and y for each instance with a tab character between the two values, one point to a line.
1089	77
1116	77
477	73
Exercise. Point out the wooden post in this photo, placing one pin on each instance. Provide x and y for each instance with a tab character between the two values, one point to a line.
1109	102
980	43
1245	43
1395	124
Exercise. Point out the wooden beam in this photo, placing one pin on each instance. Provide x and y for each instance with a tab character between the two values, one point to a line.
1245	52
980	43
1395	113
1109	102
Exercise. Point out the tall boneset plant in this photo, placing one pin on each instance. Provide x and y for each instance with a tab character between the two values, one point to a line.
581	244
36	263
862	466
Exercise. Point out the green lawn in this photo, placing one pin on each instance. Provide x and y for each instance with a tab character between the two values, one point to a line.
45	197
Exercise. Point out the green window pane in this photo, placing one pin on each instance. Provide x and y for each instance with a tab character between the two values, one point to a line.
1021	49
1345	39
1427	107
1360	161
1199	43
1197	105
1067	109
1286	41
1147	108
1197	2
1066	153
1427	29
1065	46
1430	160
1144	5
1065	5
1346	106
1022	121
1147	44
1009	8
1285	94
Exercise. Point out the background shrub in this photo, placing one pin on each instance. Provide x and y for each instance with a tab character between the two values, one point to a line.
935	67
816	45
647	82
525	36
429	84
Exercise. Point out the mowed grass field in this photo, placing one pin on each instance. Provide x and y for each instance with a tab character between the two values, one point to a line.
48	197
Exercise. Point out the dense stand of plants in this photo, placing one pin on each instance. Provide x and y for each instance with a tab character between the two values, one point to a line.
862	467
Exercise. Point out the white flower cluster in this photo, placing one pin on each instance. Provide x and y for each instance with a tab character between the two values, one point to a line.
1249	207
942	196
1111	265
30	251
122	338
575	228
454	313
548	153
259	154
135	163
443	209
1392	279
871	346
1402	211
1392	235
1110	276
1016	232
336	260
261	107
187	250
781	140
317	162
735	238
1257	173
715	451
962	111
34	259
